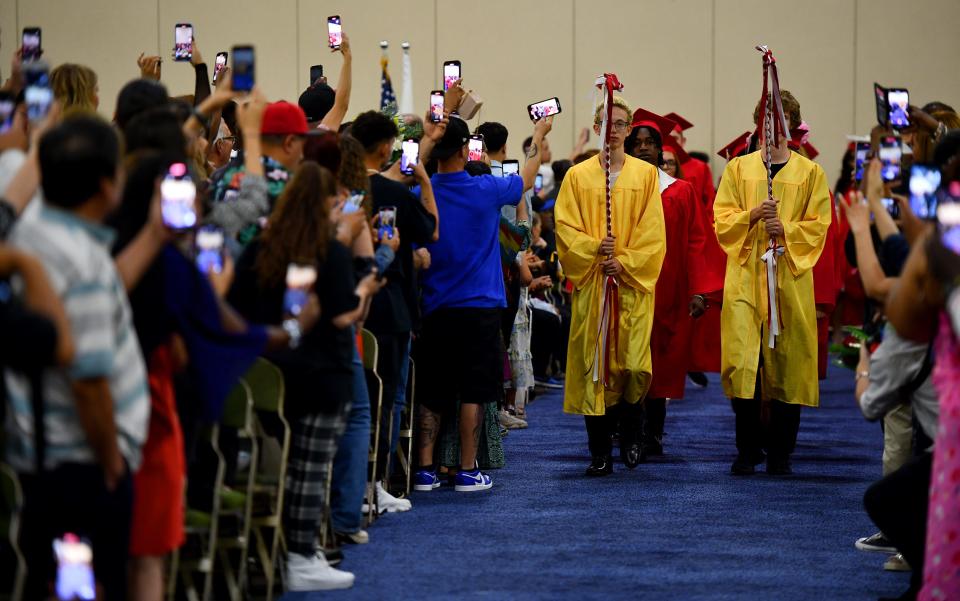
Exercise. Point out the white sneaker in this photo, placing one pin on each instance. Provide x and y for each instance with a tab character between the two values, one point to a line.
390	503
510	422
360	537
314	574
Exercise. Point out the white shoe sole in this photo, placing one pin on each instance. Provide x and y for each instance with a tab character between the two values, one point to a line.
871	549
473	487
426	487
302	587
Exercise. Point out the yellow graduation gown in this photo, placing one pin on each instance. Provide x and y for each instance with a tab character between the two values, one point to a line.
638	226
790	370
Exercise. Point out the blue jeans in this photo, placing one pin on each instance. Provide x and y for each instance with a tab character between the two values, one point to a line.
401	399
350	463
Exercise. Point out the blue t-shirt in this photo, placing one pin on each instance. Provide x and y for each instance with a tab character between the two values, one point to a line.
465	262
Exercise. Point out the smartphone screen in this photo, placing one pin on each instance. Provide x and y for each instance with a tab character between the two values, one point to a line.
862	150
220	63
880	96
353	204
924	183
334	31
243	68
209	247
183	42
511	168
544	108
476	148
891	206
316	72
948	216
409	157
37	94
436	106
890	153
538	184
897	102
30	41
451	73
74	568
178	194
300	280
8	108
388	220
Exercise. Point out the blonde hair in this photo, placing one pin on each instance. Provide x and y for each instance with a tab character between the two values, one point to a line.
618	102
75	87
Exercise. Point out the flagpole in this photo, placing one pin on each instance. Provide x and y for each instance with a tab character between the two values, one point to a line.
406	95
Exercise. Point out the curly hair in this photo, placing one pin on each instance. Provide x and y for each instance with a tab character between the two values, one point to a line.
300	227
791	108
75	87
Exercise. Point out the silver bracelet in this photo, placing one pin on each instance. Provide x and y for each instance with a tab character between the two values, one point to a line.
292	328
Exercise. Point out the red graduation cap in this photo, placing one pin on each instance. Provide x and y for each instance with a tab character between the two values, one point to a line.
736	147
662	125
670	145
799	139
682	123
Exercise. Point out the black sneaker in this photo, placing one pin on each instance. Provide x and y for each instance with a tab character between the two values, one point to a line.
633	456
877	543
698	379
601	466
778	466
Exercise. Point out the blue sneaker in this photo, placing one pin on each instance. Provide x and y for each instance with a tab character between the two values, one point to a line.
425	480
471	481
552	383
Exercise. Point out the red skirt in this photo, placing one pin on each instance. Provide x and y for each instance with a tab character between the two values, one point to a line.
158	512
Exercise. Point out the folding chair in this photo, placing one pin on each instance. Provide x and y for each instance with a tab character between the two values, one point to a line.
375	387
407	421
202	530
273	433
11	504
238	415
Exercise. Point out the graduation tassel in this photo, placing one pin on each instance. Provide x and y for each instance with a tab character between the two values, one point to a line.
774	127
608	331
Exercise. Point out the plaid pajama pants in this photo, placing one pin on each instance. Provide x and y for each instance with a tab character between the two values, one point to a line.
313	445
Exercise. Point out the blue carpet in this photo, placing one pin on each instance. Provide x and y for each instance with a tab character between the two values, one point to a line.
679	528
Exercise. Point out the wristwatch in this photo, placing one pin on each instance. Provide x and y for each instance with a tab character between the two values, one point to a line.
292	328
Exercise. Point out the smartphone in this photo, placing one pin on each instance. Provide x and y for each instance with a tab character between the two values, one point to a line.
300	280
475	146
880	97
74	568
924	183
544	108
451	73
409	156
436	106
538	183
30	41
511	168
316	72
890	154
183	42
8	109
898	114
209	249
948	216
37	93
219	64
353	204
862	151
178	195
334	32
243	68
891	206
388	220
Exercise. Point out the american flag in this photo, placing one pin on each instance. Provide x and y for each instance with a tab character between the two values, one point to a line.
387	97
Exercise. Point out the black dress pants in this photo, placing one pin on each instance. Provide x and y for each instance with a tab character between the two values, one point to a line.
544	340
779	439
600	428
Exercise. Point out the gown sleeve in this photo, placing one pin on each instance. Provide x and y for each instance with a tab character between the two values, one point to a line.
577	249
642	256
731	217
806	237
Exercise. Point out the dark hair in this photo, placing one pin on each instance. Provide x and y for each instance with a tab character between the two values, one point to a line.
475	168
323	149
791	109
155	129
75	157
936	105
846	181
353	172
947	153
494	135
372	129
136	97
527	144
700	156
560	169
630	144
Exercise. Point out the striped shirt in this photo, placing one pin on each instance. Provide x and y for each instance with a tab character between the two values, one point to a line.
75	253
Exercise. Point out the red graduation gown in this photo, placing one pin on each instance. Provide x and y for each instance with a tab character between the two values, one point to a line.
680	277
705	346
825	288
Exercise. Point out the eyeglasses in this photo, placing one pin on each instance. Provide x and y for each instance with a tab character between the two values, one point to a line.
670	163
231	139
619	126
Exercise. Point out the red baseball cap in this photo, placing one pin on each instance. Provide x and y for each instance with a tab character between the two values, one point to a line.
645	118
283	119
